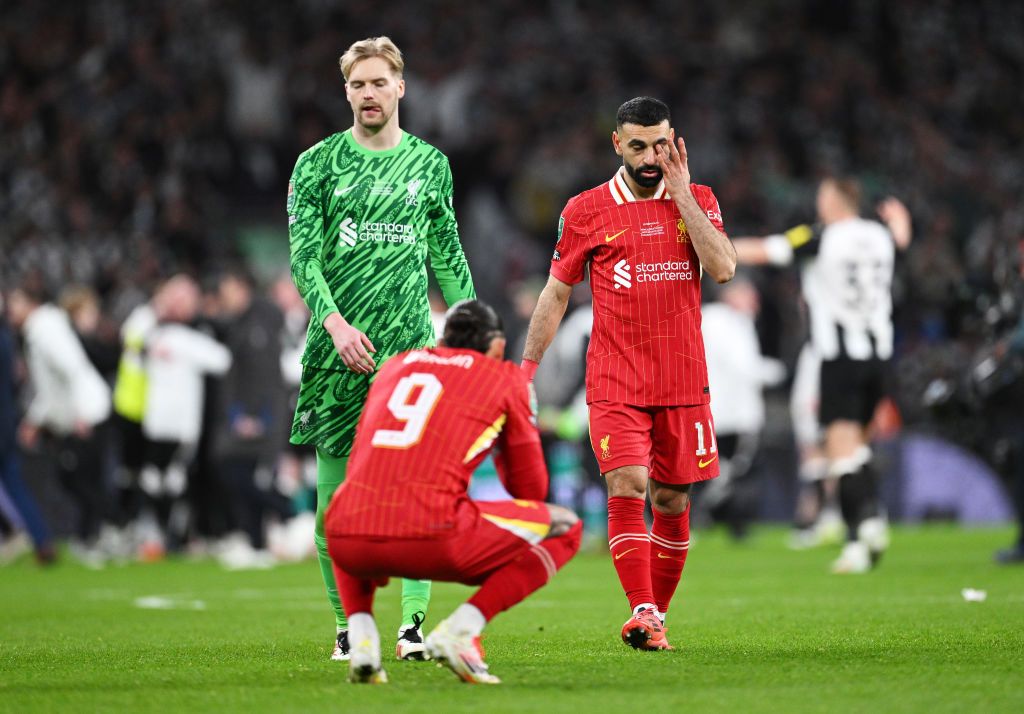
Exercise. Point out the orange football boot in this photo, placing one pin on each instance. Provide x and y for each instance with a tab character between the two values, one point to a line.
644	631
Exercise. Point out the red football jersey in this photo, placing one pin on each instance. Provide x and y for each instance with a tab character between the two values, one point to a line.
646	347
431	417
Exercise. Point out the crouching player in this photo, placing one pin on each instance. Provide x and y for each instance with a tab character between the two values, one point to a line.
431	417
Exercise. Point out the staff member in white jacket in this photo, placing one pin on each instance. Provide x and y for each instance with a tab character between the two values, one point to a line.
177	358
70	400
737	373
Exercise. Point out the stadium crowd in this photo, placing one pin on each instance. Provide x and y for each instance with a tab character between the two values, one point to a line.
137	140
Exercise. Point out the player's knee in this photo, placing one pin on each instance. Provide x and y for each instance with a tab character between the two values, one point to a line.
563	520
670	500
627	482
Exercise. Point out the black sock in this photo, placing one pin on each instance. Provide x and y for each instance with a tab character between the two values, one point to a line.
858	498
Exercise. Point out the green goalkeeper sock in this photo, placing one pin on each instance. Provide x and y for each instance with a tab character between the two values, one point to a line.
415	598
330	472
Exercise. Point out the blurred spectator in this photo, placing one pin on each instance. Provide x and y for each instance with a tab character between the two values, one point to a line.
1012	349
21	499
251	420
130	407
737	373
82	305
178	357
296	476
70	400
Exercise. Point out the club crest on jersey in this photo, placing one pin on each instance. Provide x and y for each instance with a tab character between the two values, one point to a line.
605	444
681	235
623	277
348	232
412	192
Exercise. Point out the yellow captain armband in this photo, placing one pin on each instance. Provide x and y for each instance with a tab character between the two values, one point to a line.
799	235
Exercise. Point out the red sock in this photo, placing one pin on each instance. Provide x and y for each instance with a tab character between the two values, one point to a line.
630	547
356	593
514	582
670	540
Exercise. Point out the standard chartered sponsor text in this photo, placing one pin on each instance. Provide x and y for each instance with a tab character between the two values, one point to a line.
387	232
663	271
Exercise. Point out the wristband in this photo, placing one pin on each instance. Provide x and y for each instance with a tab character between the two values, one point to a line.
529	368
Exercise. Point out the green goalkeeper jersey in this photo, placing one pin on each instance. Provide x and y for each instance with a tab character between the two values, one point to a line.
361	225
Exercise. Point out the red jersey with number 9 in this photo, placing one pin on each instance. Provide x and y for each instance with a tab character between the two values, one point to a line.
646	347
431	417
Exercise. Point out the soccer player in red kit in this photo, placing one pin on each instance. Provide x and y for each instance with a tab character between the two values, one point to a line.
647	235
431	417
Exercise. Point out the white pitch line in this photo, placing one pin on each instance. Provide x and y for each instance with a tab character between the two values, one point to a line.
164	602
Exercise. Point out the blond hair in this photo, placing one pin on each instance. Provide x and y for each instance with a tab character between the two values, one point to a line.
848	189
381	47
77	297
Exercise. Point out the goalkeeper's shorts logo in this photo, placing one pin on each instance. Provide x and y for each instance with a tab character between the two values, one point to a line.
306	420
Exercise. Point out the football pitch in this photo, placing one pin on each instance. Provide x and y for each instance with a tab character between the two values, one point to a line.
756	628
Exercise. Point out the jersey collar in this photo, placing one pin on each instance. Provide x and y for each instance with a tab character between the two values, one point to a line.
620	189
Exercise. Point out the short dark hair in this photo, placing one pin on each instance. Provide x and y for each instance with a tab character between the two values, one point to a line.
645	111
33	286
471	325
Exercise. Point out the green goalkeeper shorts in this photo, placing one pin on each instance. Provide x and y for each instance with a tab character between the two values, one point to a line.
328	409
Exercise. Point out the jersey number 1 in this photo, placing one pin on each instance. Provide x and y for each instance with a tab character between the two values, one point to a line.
415	414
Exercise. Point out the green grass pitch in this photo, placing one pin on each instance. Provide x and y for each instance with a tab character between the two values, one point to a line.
756	628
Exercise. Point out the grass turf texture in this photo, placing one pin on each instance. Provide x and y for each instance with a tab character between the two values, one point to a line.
756	628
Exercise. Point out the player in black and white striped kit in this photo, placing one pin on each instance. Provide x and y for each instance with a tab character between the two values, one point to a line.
847	285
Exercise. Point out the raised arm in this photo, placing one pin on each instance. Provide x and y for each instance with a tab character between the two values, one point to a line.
896	217
447	259
776	249
751	250
714	249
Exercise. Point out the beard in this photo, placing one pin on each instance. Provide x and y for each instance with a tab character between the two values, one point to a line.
641	180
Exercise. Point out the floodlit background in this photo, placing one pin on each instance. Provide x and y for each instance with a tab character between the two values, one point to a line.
139	139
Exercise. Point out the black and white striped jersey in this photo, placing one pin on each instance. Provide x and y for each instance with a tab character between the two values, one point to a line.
846	278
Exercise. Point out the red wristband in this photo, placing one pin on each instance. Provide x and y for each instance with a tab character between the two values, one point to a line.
529	368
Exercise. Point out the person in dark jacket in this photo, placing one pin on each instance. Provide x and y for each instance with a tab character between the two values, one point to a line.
252	405
10	466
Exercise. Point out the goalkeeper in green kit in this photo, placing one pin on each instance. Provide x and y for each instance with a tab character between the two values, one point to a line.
366	207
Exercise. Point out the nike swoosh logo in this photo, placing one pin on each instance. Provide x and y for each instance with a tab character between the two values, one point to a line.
619	555
702	463
343	191
665	557
609	239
